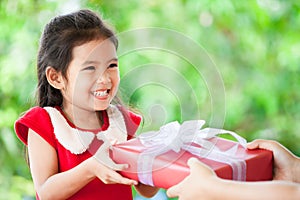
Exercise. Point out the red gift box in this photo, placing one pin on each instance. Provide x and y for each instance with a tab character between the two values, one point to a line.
170	167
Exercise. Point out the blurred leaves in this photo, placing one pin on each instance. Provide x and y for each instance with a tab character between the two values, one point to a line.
255	46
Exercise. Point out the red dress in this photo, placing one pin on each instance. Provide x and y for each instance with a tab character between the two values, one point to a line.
39	121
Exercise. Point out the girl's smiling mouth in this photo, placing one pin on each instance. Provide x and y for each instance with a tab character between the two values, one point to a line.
101	93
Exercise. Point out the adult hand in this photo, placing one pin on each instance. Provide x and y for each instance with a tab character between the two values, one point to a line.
284	161
194	185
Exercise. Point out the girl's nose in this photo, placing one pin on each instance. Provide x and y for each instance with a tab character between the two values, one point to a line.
104	78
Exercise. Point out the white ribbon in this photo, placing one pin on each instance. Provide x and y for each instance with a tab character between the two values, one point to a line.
176	137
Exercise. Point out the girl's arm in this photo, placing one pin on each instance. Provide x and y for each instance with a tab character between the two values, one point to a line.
50	184
203	183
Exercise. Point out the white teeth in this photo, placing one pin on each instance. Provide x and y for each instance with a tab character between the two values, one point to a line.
101	93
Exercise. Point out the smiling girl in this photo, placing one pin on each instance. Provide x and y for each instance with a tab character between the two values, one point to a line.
69	132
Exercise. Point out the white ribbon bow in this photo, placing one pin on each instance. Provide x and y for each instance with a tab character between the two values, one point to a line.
174	136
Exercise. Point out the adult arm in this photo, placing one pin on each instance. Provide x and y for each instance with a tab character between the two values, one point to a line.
286	168
203	183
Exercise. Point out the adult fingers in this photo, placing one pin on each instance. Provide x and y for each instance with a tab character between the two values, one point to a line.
197	171
281	154
174	191
262	144
197	167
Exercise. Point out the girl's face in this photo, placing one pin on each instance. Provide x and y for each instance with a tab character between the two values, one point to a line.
93	76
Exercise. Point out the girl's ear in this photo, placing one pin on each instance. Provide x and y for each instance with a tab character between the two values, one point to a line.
54	78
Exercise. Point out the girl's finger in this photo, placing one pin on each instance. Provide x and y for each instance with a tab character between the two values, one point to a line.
117	178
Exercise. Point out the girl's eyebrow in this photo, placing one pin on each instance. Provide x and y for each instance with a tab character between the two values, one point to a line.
88	62
113	60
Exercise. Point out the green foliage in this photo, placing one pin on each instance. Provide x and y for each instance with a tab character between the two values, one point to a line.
254	45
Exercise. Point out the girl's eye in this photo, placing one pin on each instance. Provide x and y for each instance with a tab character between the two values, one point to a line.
112	65
90	68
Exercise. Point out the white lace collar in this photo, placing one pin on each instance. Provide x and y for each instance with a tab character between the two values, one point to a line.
78	141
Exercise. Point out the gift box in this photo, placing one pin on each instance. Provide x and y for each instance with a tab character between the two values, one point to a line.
160	158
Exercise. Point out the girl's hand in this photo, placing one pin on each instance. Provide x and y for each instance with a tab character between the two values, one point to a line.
108	175
285	163
103	167
197	184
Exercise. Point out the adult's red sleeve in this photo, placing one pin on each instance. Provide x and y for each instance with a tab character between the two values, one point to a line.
39	121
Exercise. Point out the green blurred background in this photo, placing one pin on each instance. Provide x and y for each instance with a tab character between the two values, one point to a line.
255	45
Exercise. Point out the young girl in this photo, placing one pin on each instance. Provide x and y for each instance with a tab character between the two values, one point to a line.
69	133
